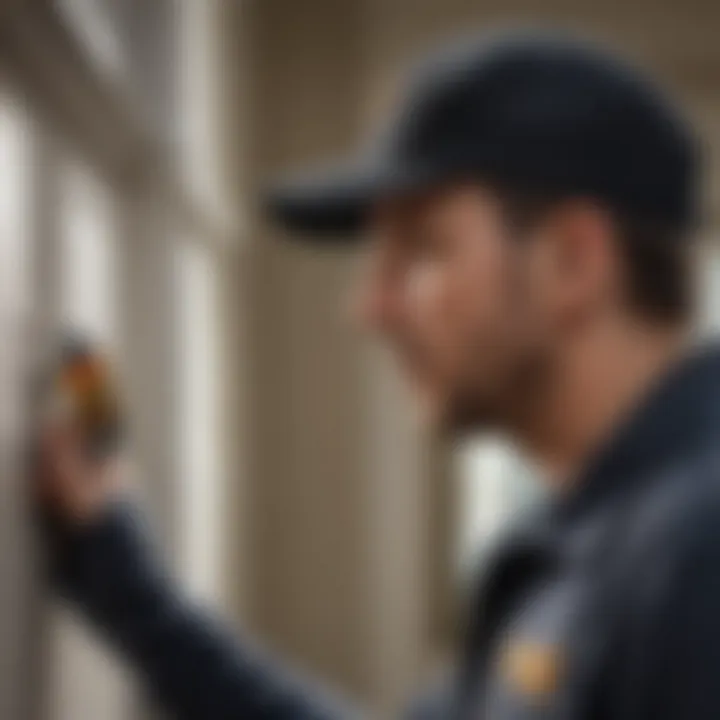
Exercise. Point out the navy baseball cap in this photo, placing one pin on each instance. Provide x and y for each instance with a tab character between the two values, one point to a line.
535	113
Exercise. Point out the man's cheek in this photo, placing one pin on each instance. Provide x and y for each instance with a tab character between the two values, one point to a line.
442	346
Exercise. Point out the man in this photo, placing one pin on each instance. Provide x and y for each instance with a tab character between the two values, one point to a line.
529	215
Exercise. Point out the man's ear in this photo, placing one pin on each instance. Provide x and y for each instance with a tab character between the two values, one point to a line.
583	257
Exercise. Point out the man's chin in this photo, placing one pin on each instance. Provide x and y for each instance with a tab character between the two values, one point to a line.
440	415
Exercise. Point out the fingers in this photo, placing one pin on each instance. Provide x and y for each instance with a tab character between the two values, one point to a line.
73	484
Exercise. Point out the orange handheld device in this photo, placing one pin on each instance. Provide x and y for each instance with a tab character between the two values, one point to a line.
83	389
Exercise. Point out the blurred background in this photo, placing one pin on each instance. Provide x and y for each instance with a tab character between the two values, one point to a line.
281	470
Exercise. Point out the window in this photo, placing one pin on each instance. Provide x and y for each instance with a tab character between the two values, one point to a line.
199	156
14	291
17	614
709	287
200	498
88	265
116	268
200	77
90	685
495	484
93	24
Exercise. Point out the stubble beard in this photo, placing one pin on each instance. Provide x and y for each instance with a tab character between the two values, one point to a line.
498	405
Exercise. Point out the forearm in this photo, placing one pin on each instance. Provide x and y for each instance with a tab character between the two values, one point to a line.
194	667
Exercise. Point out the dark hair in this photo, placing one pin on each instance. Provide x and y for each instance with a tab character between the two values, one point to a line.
657	256
658	261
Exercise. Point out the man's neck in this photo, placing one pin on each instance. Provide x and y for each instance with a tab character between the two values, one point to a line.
599	383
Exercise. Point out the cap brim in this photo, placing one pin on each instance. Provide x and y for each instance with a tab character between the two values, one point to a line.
335	203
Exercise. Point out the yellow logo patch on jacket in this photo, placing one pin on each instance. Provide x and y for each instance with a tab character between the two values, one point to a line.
532	668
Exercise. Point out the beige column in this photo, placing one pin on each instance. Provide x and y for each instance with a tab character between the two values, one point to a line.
337	575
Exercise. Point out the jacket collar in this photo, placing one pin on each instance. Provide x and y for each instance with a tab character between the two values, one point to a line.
678	418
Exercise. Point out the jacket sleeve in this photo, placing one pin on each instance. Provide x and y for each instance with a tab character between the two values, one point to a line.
191	665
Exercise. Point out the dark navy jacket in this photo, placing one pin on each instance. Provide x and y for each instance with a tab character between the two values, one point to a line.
604	606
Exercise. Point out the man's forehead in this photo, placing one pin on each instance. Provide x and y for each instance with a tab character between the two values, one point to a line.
432	203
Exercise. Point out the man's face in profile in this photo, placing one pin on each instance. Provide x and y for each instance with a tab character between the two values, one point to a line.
474	311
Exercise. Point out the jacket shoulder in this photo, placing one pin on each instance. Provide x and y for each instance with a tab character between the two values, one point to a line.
678	516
